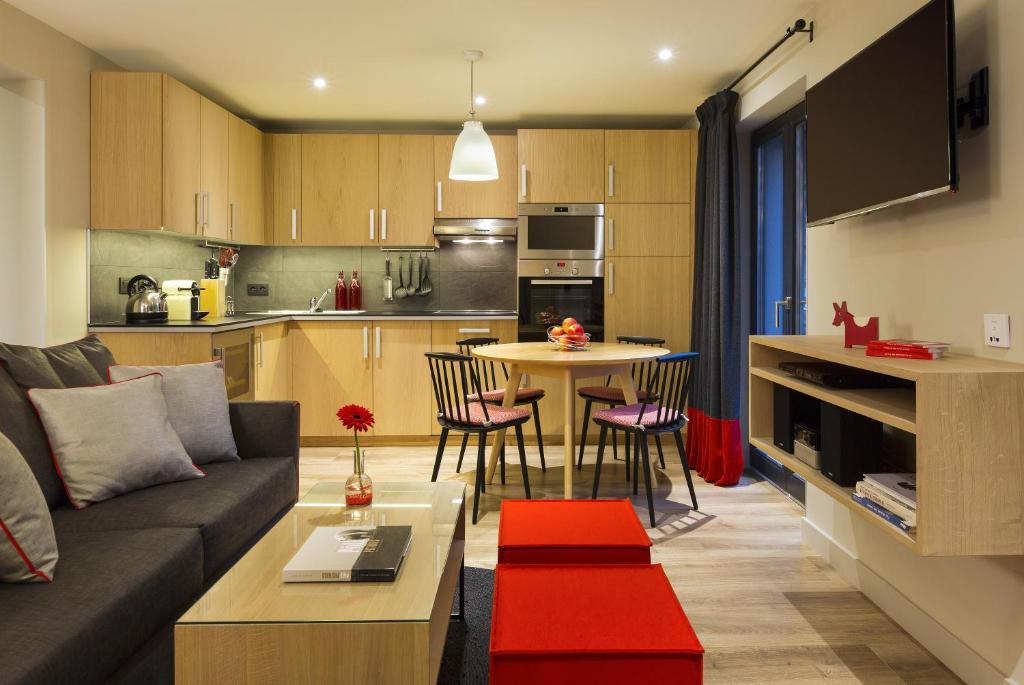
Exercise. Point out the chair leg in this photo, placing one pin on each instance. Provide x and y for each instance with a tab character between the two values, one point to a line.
480	475
502	463
686	467
647	477
600	459
583	435
636	462
440	452
522	459
483	441
615	444
629	437
661	455
462	452
540	437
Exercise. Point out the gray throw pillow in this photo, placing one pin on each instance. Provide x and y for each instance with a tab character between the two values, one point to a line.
28	547
112	439
197	405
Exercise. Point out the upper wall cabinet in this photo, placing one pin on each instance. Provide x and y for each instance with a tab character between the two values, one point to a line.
405	172
282	168
476	199
647	166
245	183
214	122
339	189
561	165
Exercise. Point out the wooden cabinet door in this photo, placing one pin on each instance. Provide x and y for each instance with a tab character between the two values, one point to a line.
245	183
181	167
329	370
402	394
647	166
273	362
561	165
339	189
648	296
406	169
213	167
283	188
476	199
647	230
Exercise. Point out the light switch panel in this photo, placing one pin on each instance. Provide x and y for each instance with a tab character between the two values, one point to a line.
997	330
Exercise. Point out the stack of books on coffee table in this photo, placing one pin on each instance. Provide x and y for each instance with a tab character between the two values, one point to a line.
891	496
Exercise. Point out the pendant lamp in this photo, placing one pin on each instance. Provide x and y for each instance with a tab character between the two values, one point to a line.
473	157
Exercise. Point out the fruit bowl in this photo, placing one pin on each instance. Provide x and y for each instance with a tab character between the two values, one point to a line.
579	342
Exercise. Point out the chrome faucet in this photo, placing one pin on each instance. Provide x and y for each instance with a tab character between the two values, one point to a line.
315	302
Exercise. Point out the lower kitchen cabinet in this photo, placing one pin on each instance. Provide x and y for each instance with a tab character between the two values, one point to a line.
331	367
402	395
648	296
273	362
158	349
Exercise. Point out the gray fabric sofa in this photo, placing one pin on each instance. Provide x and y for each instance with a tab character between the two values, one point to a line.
131	565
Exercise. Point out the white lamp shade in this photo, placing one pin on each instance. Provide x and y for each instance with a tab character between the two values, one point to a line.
473	157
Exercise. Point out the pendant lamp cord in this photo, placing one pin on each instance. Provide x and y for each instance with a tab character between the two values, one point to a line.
472	103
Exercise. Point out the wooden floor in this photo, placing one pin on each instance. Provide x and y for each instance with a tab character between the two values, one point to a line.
766	608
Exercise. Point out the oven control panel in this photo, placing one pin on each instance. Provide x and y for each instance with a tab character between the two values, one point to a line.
562	268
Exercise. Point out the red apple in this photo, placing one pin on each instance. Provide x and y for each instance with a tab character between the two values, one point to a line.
556	331
568	321
573	329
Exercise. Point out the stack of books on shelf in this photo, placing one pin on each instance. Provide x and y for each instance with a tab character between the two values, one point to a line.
892	496
907	349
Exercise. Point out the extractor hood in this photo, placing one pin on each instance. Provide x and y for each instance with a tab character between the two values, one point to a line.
475	230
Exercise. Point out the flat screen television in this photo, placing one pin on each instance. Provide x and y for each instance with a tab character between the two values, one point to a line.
881	129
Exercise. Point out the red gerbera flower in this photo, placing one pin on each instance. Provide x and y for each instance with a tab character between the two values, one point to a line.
355	417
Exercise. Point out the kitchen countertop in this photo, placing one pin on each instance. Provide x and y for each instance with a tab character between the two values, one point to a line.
249	319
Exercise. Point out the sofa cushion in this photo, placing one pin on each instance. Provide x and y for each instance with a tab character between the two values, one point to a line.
230	506
114	591
19	422
28	549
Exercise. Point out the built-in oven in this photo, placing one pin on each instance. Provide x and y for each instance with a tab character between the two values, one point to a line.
235	350
553	290
565	232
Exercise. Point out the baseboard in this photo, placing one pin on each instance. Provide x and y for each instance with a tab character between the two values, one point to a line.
959	657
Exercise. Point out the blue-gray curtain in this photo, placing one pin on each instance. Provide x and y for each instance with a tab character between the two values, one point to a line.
713	436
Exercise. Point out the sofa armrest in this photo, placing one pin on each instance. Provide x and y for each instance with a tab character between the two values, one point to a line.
266	429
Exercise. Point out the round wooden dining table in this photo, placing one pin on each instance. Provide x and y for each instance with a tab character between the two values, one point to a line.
544	359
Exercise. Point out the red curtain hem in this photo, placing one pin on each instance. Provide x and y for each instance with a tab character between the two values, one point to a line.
713	448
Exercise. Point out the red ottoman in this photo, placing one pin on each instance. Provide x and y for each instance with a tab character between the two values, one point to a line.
609	623
571	532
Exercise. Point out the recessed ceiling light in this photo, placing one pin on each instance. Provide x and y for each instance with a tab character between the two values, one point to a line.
319	83
665	54
480	100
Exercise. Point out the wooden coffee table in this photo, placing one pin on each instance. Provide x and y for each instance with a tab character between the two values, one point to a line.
250	627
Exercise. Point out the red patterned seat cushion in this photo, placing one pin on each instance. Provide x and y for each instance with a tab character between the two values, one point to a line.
522	395
498	415
629	415
608	393
603	531
605	623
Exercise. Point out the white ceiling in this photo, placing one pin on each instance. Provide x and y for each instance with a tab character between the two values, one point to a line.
398	63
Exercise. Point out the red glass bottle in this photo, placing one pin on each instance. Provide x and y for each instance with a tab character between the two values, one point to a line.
355	295
341	293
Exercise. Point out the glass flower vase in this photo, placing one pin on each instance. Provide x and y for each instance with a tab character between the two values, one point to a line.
358	486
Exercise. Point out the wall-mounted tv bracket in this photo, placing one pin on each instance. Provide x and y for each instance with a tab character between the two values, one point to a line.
974	107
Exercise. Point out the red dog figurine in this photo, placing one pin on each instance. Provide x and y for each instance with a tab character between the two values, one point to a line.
859	330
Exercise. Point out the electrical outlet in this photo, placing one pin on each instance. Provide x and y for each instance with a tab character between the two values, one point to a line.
997	330
257	289
122	285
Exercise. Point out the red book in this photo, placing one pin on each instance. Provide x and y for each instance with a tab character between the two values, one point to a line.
903	354
902	344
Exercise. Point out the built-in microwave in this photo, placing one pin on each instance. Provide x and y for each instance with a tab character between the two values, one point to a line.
561	231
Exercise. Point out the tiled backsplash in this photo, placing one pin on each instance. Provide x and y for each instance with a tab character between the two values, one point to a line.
464	276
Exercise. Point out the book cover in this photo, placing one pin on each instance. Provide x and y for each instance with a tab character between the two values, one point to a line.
913	344
883	513
876	495
900	354
900	486
350	554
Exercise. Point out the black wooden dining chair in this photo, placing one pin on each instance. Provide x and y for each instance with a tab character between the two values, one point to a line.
494	393
612	396
663	412
455	384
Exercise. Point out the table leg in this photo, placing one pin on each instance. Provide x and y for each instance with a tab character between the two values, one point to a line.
514	376
569	428
629	392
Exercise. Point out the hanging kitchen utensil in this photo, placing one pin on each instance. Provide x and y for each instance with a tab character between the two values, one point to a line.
400	291
426	287
388	284
414	274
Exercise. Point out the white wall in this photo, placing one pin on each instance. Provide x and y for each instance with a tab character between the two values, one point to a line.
22	234
929	269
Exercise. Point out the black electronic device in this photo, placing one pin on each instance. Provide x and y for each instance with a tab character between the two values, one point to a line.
851	445
832	375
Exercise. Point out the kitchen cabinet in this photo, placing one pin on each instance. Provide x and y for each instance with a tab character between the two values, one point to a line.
158	349
182	166
273	362
402	393
647	166
648	296
561	165
339	188
476	199
283	187
245	183
405	172
647	230
331	367
213	169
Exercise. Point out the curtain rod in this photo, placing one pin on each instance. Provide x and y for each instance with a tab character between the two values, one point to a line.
799	26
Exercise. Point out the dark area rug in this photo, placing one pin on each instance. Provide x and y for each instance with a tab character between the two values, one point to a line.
465	657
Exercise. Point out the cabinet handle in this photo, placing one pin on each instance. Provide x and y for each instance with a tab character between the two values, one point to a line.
474	330
611	180
611	235
383	224
259	350
206	211
199	213
231	219
611	278
366	342
522	180
295	223
373	225
376	342
439	204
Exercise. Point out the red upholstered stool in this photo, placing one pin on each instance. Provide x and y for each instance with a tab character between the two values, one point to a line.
608	623
571	532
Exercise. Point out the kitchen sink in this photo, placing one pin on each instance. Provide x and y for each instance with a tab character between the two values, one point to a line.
306	312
